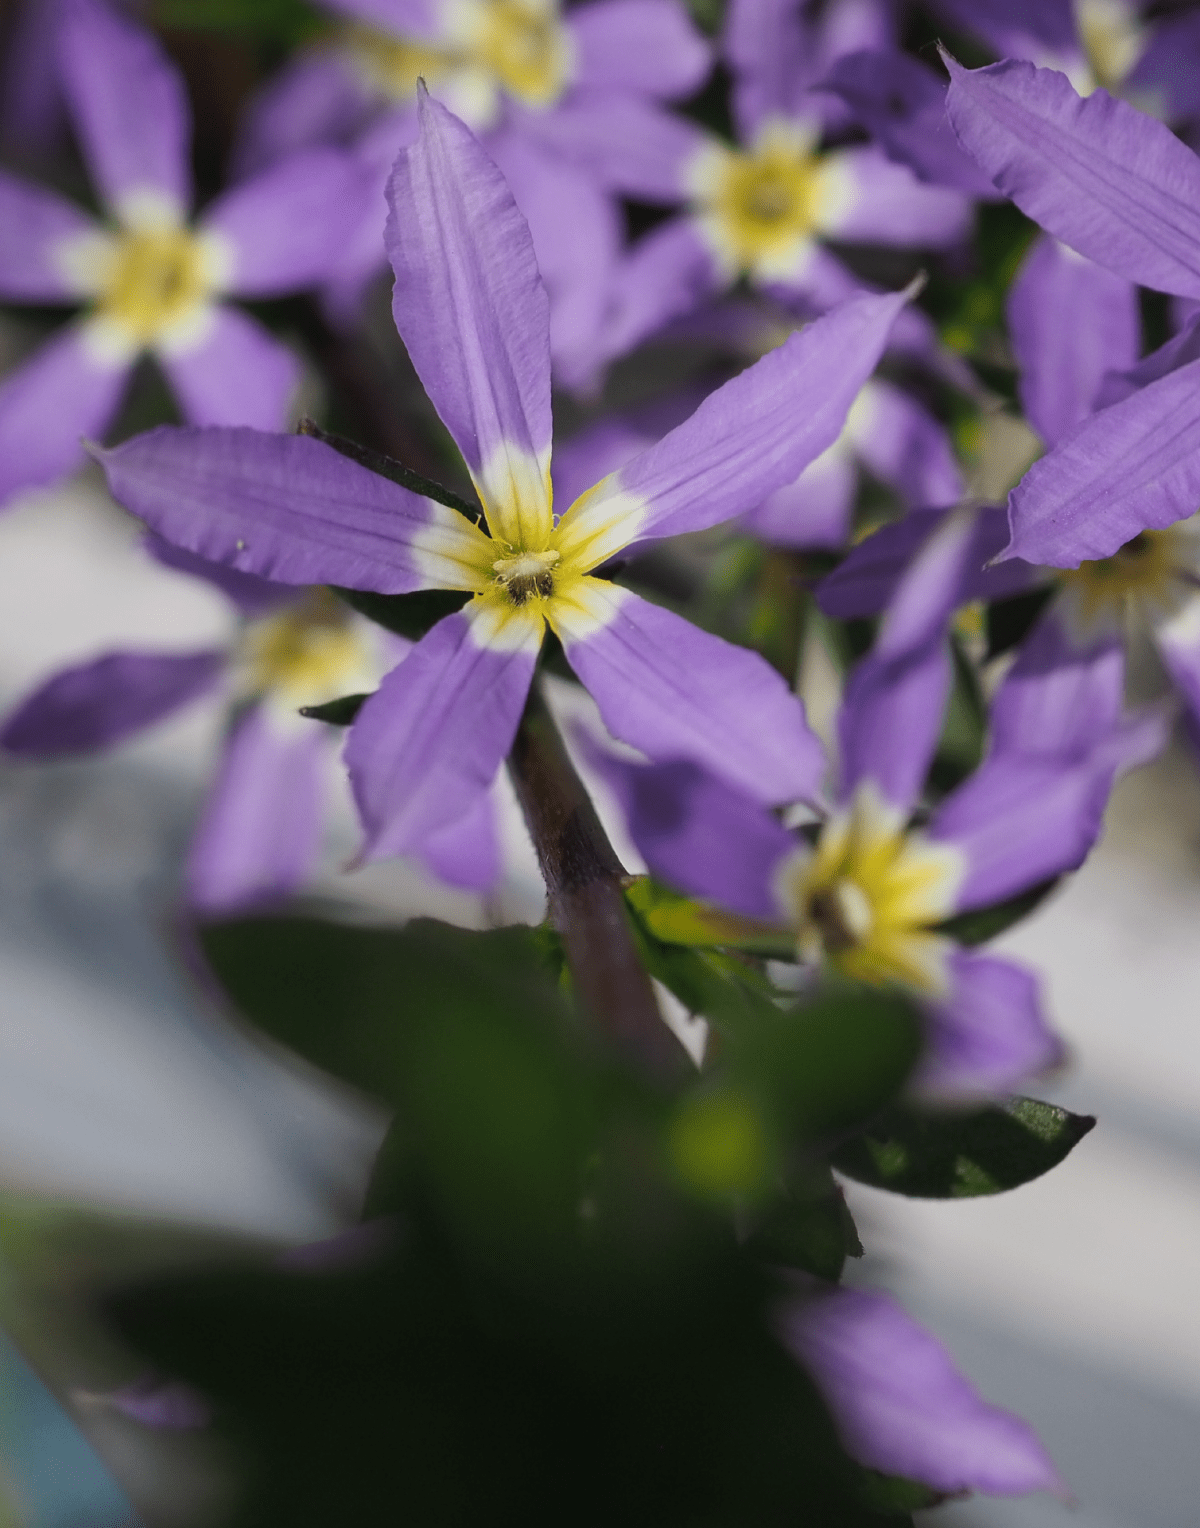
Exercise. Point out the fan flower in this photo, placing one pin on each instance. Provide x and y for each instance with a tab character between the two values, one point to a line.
472	311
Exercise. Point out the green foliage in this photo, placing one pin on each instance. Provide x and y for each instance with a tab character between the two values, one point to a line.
284	21
962	1156
964	728
809	1226
338	713
988	922
675	919
394	471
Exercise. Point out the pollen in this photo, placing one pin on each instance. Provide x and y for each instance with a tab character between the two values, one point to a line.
156	278
526	575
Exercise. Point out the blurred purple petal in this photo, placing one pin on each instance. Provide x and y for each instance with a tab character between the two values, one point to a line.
1071	322
647	47
238	373
102	702
316	98
899	1403
1179	350
665	275
931	588
130	109
33	221
467	853
633	145
1170	64
260	832
770	50
885	203
905	446
890	721
167	1405
32	110
815	510
1062	697
252	595
1017	28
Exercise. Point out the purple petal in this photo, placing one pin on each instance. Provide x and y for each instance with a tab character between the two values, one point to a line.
260	833
130	109
1112	183
1171	64
471	308
770	49
33	225
167	1405
1178	351
648	47
1071	322
104	701
1021	821
429	742
815	510
904	446
890	721
634	146
751	436
899	1403
314	99
1131	467
252	595
932	586
32	114
885	203
1018	28
674	692
989	1036
1062	697
665	275
288	508
467	853
285	229
698	834
418	17
61	394
238	373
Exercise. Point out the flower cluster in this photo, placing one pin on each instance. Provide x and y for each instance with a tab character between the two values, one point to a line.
780	284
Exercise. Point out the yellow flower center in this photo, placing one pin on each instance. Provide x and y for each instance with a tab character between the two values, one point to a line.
1147	568
156	278
1113	38
761	205
392	65
525	47
867	897
306	655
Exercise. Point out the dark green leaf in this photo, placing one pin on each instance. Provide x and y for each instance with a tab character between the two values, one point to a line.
408	615
285	21
388	467
960	1156
964	728
987	922
896	1497
810	1227
338	713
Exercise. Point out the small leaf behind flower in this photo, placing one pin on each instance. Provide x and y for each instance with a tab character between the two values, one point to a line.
988	922
676	919
408	615
338	713
962	1156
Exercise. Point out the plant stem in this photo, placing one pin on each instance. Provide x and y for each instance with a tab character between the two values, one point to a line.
587	906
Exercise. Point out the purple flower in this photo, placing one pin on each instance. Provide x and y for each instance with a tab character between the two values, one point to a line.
898	1402
869	895
152	283
472	311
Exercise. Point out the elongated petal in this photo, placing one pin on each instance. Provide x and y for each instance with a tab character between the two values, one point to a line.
815	510
314	99
1018	28
647	47
750	437
633	145
1021	821
1178	351
989	1037
284	230
260	832
1071	322
899	1403
238	373
1063	696
49	404
429	742
1129	468
884	203
890	721
292	509
34	225
101	702
771	51
667	274
467	853
931	588
1112	183
698	834
675	692
470	306
904	446
131	111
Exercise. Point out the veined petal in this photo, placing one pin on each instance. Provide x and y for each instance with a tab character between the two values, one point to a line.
236	372
647	47
1071	323
285	229
675	692
37	231
899	1403
61	394
291	508
1109	181
750	437
890	721
1132	467
99	703
260	832
471	308
1063	696
131	111
429	742
881	202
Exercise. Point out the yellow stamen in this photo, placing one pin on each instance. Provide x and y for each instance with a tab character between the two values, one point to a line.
760	207
525	47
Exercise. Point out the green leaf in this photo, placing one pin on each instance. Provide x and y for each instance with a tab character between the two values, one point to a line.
894	1496
964	729
987	922
408	615
675	919
810	1227
962	1156
338	713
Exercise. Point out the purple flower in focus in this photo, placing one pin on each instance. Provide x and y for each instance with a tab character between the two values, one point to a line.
152	283
472	311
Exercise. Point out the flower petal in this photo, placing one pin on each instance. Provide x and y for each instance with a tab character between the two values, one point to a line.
890	721
34	226
634	146
815	510
467	853
238	373
674	691
131	111
1071	322
647	47
904	446
471	308
260	832
292	509
881	202
61	394
990	1036
99	703
665	275
1062	698
899	1403
429	742
252	595
1132	467
770	50
316	98
750	437
1109	181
